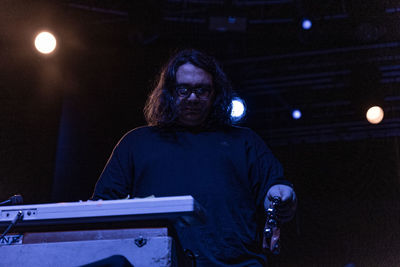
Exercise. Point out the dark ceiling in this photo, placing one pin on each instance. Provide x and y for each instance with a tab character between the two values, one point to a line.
330	72
347	60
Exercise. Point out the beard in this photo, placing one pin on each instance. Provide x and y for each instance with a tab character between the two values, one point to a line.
193	113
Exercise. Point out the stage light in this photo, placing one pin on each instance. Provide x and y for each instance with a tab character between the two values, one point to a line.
296	114
238	109
45	42
306	24
375	115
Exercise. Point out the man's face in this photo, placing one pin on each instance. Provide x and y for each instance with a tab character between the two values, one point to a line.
195	94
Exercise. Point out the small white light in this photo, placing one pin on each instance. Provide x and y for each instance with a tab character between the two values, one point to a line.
45	42
296	114
306	24
238	109
375	115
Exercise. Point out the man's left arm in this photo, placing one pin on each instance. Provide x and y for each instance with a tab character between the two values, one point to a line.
266	173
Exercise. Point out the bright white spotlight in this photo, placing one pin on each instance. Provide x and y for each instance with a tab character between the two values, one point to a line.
306	24
45	42
238	109
296	114
375	114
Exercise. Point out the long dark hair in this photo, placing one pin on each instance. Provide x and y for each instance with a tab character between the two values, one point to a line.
160	109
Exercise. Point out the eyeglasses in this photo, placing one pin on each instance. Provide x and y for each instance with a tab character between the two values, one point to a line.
202	92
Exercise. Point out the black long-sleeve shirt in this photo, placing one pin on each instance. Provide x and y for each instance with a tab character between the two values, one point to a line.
228	172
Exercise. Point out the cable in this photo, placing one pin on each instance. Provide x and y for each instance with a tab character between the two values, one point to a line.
16	219
14	200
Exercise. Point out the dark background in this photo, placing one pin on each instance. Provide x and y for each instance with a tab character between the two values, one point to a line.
61	114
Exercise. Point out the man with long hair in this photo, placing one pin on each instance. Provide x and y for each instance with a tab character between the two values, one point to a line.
190	147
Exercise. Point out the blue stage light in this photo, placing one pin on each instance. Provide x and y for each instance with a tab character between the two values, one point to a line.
238	109
306	24
296	114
